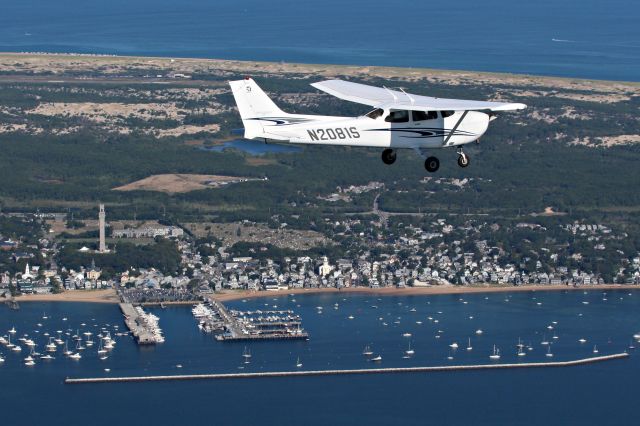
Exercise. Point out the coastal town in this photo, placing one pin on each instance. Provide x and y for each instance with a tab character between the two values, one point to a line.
391	254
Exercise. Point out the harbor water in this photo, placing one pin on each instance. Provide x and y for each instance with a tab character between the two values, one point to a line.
341	326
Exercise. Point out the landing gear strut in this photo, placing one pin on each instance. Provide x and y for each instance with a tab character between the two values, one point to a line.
388	156
432	164
463	159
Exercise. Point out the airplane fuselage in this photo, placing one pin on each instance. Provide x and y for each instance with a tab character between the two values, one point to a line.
403	132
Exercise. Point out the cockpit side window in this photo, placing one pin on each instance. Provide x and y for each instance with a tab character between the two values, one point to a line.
376	113
397	116
424	115
446	114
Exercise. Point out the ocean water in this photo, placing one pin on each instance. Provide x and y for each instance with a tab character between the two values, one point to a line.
577	38
600	393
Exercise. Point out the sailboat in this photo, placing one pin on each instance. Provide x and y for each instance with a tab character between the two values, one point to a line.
101	349
298	363
496	353
66	350
521	352
544	340
549	354
409	351
246	353
367	351
595	349
469	347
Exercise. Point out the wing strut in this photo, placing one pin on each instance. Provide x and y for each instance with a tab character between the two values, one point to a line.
464	114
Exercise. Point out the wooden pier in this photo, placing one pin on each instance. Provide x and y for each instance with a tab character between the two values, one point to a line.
297	373
137	327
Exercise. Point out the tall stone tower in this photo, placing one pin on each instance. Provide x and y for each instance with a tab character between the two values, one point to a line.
101	216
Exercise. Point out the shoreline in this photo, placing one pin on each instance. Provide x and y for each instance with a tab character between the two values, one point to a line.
86	296
109	296
327	69
415	291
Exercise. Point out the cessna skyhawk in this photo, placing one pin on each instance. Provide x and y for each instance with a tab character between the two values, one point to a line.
398	120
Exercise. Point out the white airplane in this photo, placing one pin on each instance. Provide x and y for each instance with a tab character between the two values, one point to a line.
398	120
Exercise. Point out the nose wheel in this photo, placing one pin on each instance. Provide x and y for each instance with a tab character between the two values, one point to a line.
388	156
432	164
463	159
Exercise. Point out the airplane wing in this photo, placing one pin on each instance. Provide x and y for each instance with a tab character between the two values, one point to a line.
381	97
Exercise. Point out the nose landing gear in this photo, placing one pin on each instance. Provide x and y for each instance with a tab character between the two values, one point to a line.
388	156
463	159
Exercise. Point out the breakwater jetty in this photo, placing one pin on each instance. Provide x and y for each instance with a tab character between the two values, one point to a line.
391	370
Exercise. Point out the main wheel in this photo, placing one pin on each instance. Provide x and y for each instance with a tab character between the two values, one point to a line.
388	156
463	160
432	164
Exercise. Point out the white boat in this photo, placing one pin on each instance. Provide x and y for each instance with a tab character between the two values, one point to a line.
595	349
47	357
16	348
582	340
409	351
350	317
1	358
66	350
107	370
469	347
298	363
496	353
544	340
520	345
521	352
367	351
75	355
12	331
102	358
549	354
454	345
246	354
406	334
51	346
376	358
478	331
30	363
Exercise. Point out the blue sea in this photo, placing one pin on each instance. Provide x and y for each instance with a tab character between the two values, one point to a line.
596	39
599	394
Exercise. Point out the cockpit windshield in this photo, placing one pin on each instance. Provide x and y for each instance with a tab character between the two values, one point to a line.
376	113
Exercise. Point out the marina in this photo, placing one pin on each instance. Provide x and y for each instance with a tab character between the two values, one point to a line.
441	368
236	325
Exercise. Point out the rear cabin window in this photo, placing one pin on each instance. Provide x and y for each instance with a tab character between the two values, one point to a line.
376	113
424	115
397	116
446	114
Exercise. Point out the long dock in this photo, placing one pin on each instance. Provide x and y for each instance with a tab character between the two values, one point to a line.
226	376
140	330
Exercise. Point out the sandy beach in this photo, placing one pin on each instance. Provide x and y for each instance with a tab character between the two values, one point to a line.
86	296
109	296
416	291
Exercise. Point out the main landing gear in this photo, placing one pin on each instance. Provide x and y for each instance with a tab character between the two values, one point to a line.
388	156
432	164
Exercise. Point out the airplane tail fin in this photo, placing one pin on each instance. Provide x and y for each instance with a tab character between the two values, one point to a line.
254	105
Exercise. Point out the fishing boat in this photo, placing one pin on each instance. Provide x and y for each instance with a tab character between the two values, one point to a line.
496	353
